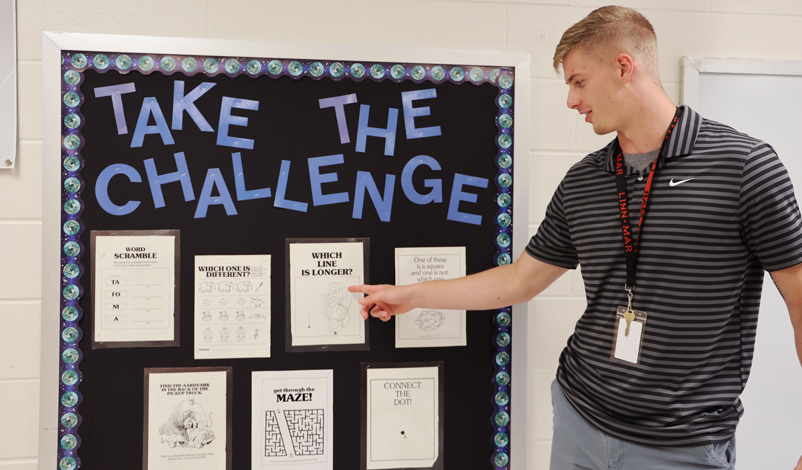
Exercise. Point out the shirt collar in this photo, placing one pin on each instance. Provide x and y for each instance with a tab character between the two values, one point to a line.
680	142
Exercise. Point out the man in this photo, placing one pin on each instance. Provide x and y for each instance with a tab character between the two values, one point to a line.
650	378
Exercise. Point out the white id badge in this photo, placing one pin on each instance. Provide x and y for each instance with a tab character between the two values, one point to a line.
627	348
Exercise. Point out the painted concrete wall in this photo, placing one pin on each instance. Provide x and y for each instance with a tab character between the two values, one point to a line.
723	28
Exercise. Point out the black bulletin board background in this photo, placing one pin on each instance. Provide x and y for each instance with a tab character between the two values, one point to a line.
289	125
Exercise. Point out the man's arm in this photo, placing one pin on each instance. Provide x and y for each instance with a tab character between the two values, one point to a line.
494	288
789	282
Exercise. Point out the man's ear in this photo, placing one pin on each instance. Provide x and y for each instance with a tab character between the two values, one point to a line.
625	65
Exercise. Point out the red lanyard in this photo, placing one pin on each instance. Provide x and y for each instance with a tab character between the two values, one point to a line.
630	244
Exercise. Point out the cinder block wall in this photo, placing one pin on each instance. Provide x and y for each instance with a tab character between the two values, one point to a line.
719	28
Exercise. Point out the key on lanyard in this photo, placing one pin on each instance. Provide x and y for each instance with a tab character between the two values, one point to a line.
629	315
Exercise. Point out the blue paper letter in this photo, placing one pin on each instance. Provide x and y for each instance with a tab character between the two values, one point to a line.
410	113
436	194
213	177
281	190
363	131
151	106
102	188
226	119
156	180
239	180
115	91
384	206
458	195
338	103
317	180
186	103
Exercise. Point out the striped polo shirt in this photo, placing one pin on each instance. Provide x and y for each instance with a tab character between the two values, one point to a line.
721	210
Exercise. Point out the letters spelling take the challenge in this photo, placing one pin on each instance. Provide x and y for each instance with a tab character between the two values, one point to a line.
365	183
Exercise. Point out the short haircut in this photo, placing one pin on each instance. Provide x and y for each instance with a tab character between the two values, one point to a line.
612	26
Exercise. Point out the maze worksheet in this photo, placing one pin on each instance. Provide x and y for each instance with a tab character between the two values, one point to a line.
274	443
292	420
303	428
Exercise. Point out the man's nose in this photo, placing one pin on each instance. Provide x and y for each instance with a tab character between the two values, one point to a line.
573	100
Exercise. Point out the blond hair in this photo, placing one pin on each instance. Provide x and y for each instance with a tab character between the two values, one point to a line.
612	26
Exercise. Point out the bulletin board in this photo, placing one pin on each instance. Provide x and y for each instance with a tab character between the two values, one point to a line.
239	149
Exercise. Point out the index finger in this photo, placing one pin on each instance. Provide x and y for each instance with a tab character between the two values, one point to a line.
364	288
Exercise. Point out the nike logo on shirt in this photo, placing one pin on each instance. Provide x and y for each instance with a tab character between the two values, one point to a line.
672	183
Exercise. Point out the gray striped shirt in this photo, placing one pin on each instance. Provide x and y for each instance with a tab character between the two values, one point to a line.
705	244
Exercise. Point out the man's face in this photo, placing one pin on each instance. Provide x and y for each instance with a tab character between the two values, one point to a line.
593	86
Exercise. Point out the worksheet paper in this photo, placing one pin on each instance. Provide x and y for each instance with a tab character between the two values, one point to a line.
403	417
232	306
429	327
292	420
186	416
134	289
322	311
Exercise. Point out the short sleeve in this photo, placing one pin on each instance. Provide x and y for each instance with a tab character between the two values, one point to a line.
769	213
552	244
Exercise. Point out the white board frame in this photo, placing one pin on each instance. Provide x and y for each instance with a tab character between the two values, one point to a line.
8	85
693	66
52	46
691	69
